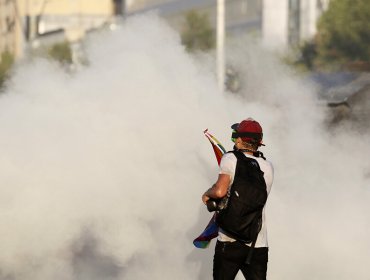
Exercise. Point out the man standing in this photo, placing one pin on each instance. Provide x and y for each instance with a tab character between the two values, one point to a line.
244	181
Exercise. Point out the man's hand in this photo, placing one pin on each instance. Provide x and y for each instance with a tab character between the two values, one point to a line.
205	198
219	189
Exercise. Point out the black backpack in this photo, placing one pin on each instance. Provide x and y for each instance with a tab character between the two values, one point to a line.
241	217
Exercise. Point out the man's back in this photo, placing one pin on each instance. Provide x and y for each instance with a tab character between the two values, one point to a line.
228	166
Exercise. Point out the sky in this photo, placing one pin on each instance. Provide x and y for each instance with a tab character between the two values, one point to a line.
103	169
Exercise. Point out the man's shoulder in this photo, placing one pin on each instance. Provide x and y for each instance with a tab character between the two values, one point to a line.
268	162
266	166
228	159
229	155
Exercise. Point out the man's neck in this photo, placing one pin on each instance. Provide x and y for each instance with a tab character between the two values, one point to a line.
247	151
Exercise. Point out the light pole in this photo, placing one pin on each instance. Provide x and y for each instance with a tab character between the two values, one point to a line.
221	44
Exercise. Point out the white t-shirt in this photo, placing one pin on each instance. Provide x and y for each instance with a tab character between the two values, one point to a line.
227	166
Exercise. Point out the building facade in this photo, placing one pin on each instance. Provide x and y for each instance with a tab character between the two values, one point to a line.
280	23
288	22
240	15
7	27
22	22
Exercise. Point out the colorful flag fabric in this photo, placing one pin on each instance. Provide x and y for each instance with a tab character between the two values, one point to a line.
218	149
211	230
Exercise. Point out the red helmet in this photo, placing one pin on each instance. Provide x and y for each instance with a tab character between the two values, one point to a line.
249	130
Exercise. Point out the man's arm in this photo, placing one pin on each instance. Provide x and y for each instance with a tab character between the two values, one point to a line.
219	189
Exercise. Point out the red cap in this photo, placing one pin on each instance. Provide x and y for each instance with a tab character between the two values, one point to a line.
249	130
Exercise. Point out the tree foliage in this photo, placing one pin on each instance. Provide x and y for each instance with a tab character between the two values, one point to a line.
61	52
344	32
6	62
198	33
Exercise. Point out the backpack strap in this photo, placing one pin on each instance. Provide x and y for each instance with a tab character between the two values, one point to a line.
255	153
240	156
253	245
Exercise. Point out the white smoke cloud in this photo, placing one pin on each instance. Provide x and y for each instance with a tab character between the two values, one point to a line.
318	208
103	169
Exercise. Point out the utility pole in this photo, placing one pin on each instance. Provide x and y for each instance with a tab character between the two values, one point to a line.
221	44
119	7
27	24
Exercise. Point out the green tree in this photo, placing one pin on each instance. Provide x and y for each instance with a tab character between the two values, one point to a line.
344	32
61	52
198	33
6	62
308	55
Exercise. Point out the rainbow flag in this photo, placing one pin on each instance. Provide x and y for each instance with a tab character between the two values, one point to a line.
216	145
211	230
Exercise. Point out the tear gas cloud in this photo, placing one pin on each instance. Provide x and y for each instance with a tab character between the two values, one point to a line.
103	169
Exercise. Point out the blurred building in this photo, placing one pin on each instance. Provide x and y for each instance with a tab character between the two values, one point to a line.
289	22
25	23
7	27
280	23
143	4
240	15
